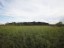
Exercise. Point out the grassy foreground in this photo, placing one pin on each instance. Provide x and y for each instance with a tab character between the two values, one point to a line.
31	37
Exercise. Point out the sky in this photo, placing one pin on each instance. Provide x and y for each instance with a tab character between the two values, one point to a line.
51	11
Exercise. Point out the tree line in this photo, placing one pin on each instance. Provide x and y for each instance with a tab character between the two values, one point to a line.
35	23
27	23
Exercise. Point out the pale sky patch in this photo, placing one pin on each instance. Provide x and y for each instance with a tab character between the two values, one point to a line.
50	11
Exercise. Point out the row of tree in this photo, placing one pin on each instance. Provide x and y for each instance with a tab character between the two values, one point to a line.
34	23
28	23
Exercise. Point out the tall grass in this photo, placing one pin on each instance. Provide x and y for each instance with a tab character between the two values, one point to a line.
31	37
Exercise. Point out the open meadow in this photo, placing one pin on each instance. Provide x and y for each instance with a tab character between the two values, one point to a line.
31	37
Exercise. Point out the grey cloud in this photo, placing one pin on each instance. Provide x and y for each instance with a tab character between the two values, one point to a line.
1	4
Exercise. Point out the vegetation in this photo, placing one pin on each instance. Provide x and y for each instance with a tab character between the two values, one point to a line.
59	24
28	23
31	37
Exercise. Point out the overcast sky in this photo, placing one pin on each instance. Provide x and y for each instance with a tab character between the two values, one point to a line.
50	11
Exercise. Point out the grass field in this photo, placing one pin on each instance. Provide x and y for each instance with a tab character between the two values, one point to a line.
31	37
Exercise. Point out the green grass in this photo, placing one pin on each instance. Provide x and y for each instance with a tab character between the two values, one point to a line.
31	37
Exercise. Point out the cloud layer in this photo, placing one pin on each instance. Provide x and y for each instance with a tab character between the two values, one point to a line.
50	11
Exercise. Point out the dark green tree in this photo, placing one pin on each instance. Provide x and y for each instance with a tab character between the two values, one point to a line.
59	24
